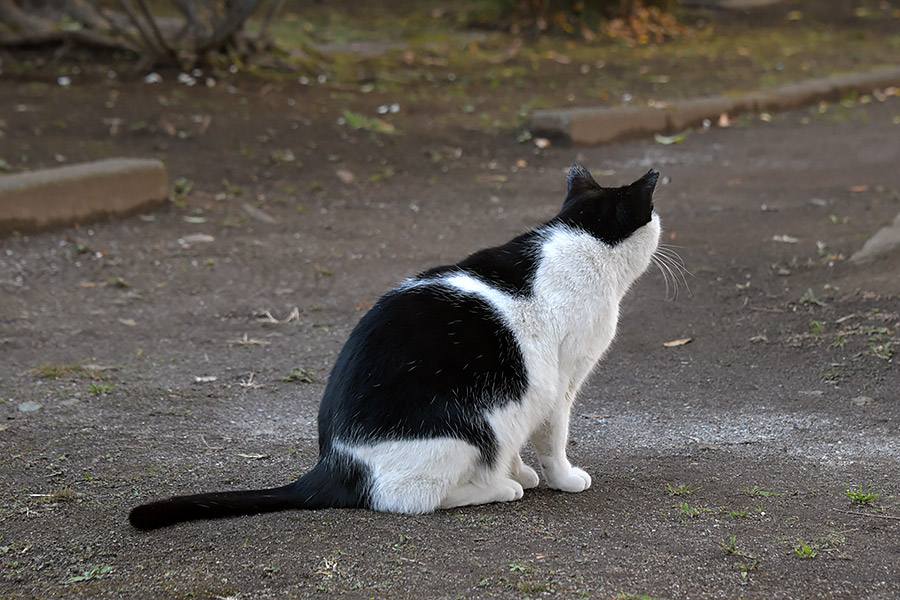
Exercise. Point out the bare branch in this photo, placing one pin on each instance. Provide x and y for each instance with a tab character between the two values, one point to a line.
146	36
19	20
232	21
188	9
85	37
160	40
264	31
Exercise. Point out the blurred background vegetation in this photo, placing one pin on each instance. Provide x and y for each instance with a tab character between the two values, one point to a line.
481	64
191	32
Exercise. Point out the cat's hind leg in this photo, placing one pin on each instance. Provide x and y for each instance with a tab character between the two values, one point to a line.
501	489
525	475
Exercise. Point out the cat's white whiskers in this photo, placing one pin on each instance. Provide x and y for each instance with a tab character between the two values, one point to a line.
668	251
670	263
662	270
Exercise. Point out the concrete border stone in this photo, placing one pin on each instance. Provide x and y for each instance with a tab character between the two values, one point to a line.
81	193
693	112
588	128
593	126
885	241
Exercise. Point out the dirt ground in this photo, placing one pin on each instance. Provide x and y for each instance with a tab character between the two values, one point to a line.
186	350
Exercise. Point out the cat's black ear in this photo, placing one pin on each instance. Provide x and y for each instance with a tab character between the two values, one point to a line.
646	184
579	179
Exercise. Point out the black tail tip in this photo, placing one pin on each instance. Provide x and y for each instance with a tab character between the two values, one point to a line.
148	516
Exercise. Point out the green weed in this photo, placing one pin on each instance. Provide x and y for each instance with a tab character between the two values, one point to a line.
92	573
817	328
299	375
861	497
883	351
810	299
56	371
681	489
359	121
181	187
102	390
806	551
519	567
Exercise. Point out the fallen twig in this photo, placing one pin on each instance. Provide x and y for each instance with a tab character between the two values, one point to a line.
766	309
205	443
862	514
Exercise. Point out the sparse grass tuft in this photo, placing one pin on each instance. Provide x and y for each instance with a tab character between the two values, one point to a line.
859	496
56	371
520	567
92	573
752	561
809	299
102	390
806	550
299	375
681	489
689	510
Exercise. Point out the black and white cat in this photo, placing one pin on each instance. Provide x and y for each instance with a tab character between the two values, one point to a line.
446	378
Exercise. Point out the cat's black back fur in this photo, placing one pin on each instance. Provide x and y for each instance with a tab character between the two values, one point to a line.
432	362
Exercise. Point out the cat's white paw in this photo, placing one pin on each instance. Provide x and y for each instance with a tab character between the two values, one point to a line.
527	477
512	491
503	490
574	480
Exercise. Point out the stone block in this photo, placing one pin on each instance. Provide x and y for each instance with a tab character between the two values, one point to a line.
687	113
81	193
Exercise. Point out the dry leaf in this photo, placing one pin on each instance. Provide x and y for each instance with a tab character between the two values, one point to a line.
858	188
259	214
248	341
196	238
785	239
676	343
494	179
167	127
668	140
345	176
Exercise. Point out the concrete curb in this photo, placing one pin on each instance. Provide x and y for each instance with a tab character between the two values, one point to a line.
594	126
73	194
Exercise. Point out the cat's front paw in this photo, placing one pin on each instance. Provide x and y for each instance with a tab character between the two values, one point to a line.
574	480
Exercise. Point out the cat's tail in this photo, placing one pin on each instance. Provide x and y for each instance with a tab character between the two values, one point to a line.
322	487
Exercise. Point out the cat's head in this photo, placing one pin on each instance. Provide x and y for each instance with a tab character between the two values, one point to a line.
609	214
621	217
